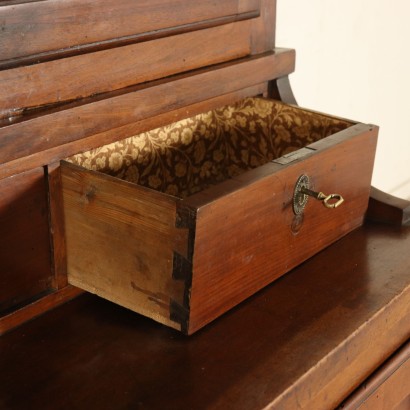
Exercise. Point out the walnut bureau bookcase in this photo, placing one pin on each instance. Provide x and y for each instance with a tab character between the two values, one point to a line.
152	153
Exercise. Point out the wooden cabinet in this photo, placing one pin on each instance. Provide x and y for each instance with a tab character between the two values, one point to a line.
78	75
85	80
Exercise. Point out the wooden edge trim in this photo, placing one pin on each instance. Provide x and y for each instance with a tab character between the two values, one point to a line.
363	392
263	30
67	169
65	150
365	345
168	56
56	220
182	269
37	308
232	185
352	131
234	75
124	41
56	128
386	208
13	2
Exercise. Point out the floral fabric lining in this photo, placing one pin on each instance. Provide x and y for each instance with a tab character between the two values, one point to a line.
190	155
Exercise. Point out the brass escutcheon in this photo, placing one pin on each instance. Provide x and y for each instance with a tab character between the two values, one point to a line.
302	192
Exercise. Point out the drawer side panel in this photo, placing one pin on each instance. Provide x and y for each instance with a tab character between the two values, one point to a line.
121	240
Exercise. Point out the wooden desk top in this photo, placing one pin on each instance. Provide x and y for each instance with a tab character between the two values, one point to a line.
305	342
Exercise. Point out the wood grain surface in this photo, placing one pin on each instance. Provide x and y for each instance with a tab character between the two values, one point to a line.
388	208
55	128
63	151
263	28
56	221
121	240
44	26
247	234
32	310
388	388
393	394
69	79
306	341
25	265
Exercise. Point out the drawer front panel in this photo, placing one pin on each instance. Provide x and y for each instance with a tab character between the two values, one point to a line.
34	28
249	237
388	388
63	126
76	78
393	394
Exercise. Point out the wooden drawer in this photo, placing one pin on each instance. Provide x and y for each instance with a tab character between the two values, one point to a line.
388	388
118	67
184	222
62	27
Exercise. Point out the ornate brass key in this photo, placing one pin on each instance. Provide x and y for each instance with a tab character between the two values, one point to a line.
325	198
302	192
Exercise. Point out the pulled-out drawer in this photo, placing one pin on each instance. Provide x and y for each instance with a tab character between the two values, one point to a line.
184	222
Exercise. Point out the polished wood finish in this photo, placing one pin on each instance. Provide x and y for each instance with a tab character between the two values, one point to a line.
44	26
52	155
78	74
209	231
55	128
31	310
388	208
263	30
28	280
25	268
246	235
304	342
58	82
57	233
393	394
388	388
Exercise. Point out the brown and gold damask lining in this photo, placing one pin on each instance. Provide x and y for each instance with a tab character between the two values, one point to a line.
188	156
